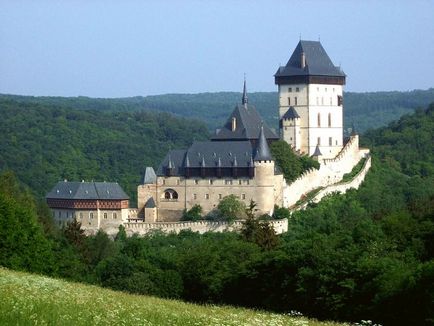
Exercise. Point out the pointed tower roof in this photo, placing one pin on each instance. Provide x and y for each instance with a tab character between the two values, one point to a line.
170	163
202	164
150	203
244	99
317	152
150	176
186	161
291	114
235	164
263	151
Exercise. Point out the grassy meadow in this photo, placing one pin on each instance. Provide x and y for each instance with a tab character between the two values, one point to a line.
28	299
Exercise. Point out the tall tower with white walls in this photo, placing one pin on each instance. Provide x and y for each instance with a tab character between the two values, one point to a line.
310	101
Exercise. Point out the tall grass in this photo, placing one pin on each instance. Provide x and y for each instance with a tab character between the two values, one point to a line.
27	299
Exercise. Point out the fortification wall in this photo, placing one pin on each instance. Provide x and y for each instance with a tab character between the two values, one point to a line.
142	228
331	171
342	187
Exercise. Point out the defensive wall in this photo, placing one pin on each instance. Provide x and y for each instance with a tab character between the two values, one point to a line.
331	171
137	226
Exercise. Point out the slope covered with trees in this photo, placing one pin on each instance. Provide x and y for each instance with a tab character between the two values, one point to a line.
46	143
366	110
368	254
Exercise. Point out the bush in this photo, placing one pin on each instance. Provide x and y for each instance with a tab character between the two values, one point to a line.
193	214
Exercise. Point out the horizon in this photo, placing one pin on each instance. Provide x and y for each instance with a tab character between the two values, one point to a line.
110	50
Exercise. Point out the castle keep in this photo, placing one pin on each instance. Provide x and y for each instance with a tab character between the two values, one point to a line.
237	159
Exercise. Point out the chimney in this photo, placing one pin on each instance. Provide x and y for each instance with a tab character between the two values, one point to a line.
234	123
303	60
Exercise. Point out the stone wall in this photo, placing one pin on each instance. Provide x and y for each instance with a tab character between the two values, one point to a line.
331	171
142	228
342	187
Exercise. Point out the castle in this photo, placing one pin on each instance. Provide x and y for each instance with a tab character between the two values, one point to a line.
237	159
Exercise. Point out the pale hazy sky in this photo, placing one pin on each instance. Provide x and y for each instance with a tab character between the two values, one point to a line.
127	48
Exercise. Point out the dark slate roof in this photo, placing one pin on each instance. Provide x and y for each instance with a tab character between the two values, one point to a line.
263	151
150	203
318	62
248	125
291	114
87	190
150	176
210	153
317	152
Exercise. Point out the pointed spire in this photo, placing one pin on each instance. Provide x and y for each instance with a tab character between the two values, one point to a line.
235	164
245	99
203	161
263	151
186	161
219	163
317	152
170	163
251	161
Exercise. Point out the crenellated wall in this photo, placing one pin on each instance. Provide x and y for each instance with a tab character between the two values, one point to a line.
331	171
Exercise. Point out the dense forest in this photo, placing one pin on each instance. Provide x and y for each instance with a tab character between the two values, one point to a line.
368	254
365	110
45	143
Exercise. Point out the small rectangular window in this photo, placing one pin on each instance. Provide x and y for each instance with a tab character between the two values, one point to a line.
196	182
91	215
290	90
297	89
220	196
177	182
115	215
105	215
194	196
211	181
330	141
295	100
243	196
81	215
228	182
339	100
248	182
318	141
326	89
206	196
240	182
331	102
289	101
164	182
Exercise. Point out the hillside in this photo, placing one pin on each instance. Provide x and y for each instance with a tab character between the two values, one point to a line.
45	143
366	110
32	299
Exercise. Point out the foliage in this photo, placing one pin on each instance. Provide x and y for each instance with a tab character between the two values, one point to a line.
193	214
230	208
44	143
281	213
289	162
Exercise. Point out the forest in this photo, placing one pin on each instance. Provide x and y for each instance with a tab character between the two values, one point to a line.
368	254
366	110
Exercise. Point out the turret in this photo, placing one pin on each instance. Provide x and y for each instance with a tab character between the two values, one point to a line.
290	128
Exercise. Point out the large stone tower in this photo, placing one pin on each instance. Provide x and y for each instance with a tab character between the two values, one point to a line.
310	101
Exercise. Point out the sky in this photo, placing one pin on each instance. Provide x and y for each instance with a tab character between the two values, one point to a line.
138	48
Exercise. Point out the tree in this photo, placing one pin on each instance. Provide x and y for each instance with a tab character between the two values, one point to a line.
281	213
193	214
230	208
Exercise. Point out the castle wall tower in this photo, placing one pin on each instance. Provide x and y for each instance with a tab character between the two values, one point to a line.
312	87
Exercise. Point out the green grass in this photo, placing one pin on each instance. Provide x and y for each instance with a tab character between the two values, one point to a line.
356	169
28	299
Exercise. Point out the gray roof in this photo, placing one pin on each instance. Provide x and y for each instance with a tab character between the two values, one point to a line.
210	153
317	152
150	203
318	62
291	114
87	190
150	176
263	151
248	125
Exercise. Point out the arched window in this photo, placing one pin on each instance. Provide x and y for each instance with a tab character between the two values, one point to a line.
170	194
330	119
319	119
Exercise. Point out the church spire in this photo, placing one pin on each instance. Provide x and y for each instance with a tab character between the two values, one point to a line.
244	99
263	151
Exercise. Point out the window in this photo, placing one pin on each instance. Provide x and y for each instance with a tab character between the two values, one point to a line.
170	194
339	100
177	182
228	182
336	142
330	141
322	100
289	101
290	90
194	196
317	101
243	196
333	90
211	181
319	119
295	100
248	182
239	182
105	215
290	138
206	196
318	141
331	102
286	128
115	215
326	89
164	182
91	215
297	89
220	196
330	119
196	182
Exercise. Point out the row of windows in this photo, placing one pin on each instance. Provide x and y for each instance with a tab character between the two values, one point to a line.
297	89
211	181
295	101
220	196
329	119
318	142
80	215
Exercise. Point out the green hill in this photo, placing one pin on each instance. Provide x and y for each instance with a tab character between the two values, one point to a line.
27	299
366	110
